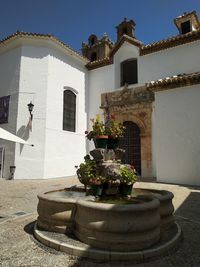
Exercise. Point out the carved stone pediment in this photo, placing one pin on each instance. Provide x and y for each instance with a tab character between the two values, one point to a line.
127	97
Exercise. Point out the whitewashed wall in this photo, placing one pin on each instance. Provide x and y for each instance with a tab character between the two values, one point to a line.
29	160
177	135
176	60
101	80
39	72
9	85
63	149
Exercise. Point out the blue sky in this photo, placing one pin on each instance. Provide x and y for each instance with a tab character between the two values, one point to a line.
72	21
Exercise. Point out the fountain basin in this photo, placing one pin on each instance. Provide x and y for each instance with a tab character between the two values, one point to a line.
56	209
166	208
113	227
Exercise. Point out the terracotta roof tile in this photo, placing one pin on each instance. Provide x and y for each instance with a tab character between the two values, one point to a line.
174	81
99	63
170	42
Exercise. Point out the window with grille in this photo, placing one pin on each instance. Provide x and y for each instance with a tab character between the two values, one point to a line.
69	111
129	72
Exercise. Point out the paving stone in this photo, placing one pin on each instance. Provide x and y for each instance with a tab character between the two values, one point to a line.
18	247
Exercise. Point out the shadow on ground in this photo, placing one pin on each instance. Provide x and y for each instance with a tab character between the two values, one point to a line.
29	228
189	209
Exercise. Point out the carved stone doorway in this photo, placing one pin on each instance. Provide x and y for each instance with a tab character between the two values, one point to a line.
132	145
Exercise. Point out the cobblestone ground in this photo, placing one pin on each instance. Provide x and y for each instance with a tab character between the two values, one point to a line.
18	248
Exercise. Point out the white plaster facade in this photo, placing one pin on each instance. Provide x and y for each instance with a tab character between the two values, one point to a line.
39	69
177	135
40	74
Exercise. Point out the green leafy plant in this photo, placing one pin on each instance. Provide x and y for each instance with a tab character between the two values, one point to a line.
98	128
128	174
114	128
88	174
87	170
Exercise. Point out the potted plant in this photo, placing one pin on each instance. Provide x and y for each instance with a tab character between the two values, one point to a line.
96	183
88	175
86	171
115	131
128	176
98	133
111	186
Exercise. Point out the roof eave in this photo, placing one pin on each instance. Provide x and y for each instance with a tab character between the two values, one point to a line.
176	81
20	36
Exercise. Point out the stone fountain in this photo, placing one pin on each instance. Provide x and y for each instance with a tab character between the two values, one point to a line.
140	227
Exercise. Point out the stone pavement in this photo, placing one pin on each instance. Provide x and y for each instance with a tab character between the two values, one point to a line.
18	212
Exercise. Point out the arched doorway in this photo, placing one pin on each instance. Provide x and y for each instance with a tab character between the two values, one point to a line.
132	145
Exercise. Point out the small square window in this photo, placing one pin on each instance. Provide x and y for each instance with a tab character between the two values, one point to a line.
185	27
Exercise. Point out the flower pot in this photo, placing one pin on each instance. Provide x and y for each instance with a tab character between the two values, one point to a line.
101	141
97	189
125	189
112	142
111	189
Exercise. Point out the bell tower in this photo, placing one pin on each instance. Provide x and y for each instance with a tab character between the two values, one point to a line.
188	22
126	27
97	49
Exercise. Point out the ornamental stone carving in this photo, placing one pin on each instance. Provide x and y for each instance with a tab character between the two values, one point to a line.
134	104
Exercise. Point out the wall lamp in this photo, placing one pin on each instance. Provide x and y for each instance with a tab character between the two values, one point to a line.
30	109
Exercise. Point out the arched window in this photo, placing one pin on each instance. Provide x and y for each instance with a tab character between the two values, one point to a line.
129	72
92	39
94	56
125	31
69	111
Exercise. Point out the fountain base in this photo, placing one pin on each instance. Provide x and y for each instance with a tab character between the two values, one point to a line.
169	241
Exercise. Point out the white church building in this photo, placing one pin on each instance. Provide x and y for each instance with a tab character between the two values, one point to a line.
153	89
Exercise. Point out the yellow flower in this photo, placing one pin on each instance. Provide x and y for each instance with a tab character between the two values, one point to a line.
98	118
